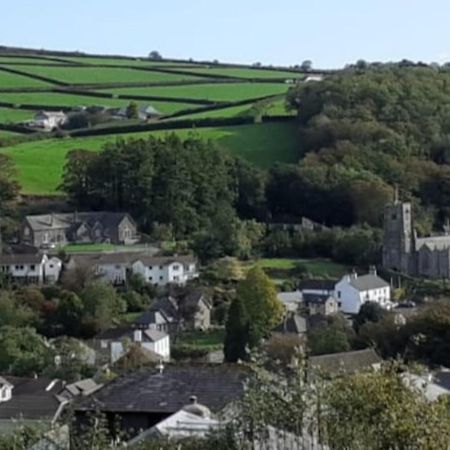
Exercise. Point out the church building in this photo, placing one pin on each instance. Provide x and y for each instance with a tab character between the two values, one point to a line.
403	251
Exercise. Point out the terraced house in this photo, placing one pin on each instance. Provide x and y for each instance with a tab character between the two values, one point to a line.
49	230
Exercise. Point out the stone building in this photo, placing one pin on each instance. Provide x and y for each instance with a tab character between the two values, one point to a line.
405	252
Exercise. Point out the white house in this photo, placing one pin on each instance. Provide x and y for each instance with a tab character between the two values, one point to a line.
160	270
49	120
115	342
353	291
34	268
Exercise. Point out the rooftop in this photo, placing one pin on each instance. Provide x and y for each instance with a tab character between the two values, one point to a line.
368	282
317	285
21	258
153	392
347	362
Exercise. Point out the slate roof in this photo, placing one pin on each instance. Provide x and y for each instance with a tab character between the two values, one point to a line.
153	335
195	297
168	306
315	298
368	282
434	242
18	258
347	362
113	333
151	317
317	285
32	399
293	323
148	260
69	220
149	391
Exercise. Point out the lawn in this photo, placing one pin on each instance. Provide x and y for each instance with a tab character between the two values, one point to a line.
214	91
316	267
95	75
246	72
12	80
18	59
40	163
7	134
205	339
137	62
14	115
87	248
73	100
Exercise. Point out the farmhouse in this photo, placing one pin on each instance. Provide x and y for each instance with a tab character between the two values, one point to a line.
34	268
86	227
352	291
49	120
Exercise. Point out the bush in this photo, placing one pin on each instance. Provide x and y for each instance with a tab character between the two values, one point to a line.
188	352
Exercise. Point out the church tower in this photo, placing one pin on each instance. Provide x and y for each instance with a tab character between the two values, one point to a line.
398	239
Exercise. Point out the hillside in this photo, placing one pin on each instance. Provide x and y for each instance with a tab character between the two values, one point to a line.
199	93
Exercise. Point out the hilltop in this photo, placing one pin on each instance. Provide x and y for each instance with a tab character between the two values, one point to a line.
242	107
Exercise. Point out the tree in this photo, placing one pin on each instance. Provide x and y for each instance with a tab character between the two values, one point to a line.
236	332
9	188
23	352
155	55
306	65
258	295
13	313
132	111
102	304
369	312
70	313
327	340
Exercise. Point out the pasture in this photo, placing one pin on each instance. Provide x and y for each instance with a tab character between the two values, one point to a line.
12	80
246	73
99	75
40	163
14	115
222	92
74	100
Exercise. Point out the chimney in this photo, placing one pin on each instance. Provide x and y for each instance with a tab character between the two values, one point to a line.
193	399
137	335
160	367
373	271
354	275
51	219
75	216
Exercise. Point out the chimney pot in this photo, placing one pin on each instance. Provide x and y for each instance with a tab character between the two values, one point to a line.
193	399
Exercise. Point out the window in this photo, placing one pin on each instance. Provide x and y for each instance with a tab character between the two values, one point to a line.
117	267
150	267
176	267
394	216
150	278
32	267
160	278
161	267
176	278
339	294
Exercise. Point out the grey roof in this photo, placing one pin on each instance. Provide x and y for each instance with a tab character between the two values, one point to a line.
346	362
21	258
69	220
83	387
293	323
164	260
149	391
32	399
316	298
154	335
168	306
194	298
113	333
153	316
368	282
317	285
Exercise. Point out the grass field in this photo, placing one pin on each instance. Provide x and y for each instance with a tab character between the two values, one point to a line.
214	91
232	111
7	134
72	100
14	115
246	73
40	163
12	80
207	339
12	59
316	267
127	62
94	75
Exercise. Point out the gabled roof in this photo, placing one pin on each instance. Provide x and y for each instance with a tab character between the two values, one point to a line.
317	299
293	323
150	391
148	260
32	399
347	362
21	258
153	335
113	333
194	298
68	220
317	285
368	282
150	317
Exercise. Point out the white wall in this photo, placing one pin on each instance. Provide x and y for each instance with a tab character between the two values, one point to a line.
114	273
162	275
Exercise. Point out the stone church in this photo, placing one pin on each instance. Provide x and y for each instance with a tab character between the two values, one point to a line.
405	252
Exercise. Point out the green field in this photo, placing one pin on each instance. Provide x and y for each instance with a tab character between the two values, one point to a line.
232	111
315	267
14	115
137	62
7	134
40	163
246	73
95	75
74	100
12	59
215	91
207	339
12	80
